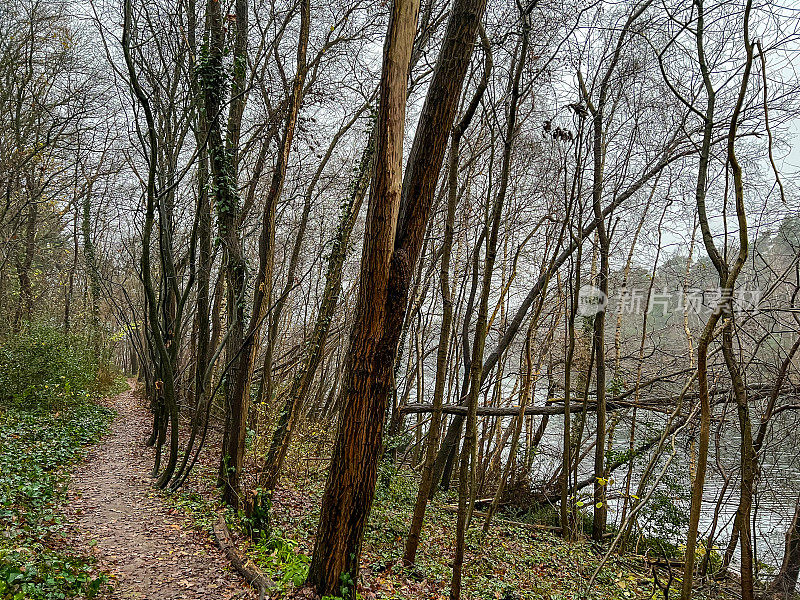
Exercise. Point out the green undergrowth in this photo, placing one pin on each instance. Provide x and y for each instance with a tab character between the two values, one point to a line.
48	417
510	562
200	511
281	559
513	561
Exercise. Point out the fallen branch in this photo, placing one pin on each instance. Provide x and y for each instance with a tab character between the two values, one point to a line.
243	565
552	407
488	411
657	404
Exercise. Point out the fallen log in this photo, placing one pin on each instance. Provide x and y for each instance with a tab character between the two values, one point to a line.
674	563
552	408
243	565
491	411
657	404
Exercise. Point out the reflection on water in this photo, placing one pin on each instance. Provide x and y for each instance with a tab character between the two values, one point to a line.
777	488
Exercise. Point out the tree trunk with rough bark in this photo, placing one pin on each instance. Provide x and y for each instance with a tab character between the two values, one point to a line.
393	243
351	479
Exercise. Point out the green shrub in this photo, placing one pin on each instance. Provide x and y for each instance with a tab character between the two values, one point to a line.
44	369
47	419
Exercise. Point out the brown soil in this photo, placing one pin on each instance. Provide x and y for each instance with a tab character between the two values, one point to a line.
151	552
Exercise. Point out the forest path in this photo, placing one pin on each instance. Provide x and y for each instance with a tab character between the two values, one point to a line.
116	515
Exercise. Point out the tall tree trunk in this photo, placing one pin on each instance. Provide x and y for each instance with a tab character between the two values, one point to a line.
598	113
24	264
705	337
202	325
466	493
163	354
91	267
727	277
746	449
351	479
248	350
600	510
315	345
223	160
434	432
392	246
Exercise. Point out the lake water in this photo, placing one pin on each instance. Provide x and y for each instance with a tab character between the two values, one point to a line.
777	488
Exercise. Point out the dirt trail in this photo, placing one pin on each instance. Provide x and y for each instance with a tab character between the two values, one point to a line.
116	513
